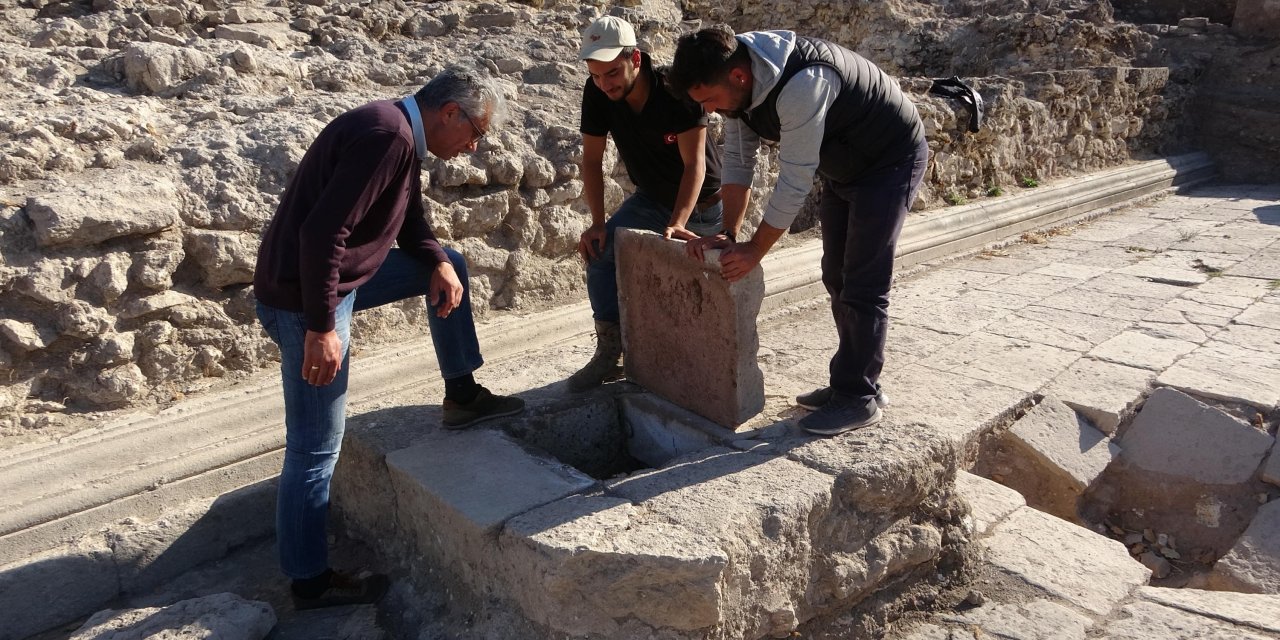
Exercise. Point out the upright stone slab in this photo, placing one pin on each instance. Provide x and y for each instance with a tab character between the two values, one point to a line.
689	335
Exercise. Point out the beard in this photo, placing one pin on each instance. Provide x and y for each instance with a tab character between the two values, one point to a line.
741	99
626	90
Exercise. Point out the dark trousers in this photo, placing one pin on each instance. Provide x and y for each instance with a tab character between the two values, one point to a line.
861	221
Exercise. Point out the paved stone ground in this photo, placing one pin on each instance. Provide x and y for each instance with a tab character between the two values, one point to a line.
1183	292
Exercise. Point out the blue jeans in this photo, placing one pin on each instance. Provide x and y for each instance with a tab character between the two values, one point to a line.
637	212
315	417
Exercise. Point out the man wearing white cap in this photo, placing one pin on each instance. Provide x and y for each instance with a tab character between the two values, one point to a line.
663	142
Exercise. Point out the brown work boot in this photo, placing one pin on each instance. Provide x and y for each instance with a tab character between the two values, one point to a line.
606	364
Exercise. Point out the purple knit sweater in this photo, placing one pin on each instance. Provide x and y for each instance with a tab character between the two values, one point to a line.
355	193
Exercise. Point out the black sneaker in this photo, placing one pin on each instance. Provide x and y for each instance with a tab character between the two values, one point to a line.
840	414
818	397
344	589
485	406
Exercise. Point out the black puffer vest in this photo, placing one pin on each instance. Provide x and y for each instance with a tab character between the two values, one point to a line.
871	124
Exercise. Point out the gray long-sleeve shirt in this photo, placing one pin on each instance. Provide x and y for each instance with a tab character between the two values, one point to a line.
802	109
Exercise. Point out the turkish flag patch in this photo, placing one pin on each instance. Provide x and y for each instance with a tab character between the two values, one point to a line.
670	138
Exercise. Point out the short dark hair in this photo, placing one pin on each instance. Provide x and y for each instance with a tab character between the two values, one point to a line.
705	57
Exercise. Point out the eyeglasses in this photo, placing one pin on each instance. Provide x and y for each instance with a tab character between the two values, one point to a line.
475	137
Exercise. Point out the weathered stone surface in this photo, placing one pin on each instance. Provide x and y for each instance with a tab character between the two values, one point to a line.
958	407
989	501
104	206
1271	470
1177	435
1261	314
1226	372
153	67
1057	327
225	258
1265	266
1164	274
1104	392
80	577
1085	569
658	431
24	337
677	311
1139	349
1015	363
1031	284
1035	620
269	35
1253	564
1056	455
1145	620
144	306
479	479
219	616
1249	610
1126	285
724	542
580	564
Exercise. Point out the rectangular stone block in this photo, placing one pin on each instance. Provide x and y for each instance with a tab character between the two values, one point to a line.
1103	392
1253	564
1179	436
1075	564
455	490
688	334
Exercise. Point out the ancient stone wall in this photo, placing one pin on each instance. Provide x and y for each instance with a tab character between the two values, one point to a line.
145	145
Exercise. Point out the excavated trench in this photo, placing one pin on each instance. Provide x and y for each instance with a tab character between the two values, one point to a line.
1178	481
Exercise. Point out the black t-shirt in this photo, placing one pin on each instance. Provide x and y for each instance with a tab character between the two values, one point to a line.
647	140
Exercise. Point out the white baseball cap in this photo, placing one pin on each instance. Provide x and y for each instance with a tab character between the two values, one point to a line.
605	39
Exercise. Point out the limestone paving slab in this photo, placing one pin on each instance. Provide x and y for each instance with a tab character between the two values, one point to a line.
1260	314
1184	310
1261	339
1071	271
1177	435
1253	563
989	501
1175	327
1248	610
948	316
1136	348
1113	229
663	299
1271	469
956	405
1035	285
1105	392
1147	620
997	264
1109	257
1067	447
1226	372
954	280
1007	361
1035	620
999	300
1060	328
909	343
1069	562
1128	286
1230	285
1166	274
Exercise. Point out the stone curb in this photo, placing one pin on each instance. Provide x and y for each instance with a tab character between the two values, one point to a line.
138	465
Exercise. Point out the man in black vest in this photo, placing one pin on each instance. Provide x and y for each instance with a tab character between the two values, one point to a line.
663	142
834	113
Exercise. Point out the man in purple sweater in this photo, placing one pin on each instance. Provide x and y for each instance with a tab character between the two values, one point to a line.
328	253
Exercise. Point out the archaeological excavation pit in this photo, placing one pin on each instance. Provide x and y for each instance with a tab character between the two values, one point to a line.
1188	485
624	516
